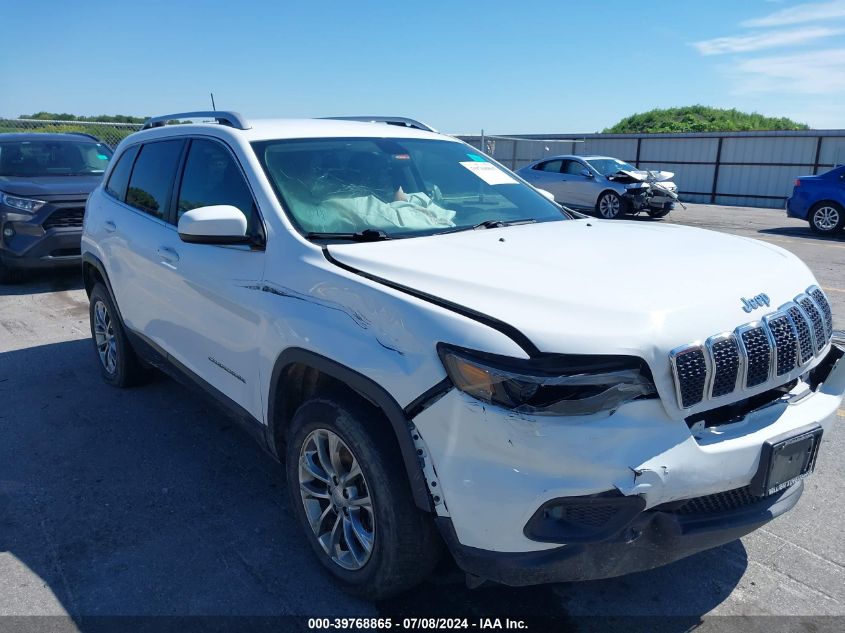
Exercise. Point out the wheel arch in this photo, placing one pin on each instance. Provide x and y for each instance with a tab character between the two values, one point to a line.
93	272
298	373
828	202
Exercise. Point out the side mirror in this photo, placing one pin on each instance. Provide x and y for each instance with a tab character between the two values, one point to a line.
586	173
547	194
218	224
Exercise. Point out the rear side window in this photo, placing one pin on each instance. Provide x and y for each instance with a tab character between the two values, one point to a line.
152	178
550	165
212	176
119	178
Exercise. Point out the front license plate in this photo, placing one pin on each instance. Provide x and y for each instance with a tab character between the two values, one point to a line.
785	461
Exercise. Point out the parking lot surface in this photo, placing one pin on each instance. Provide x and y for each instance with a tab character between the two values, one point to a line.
150	502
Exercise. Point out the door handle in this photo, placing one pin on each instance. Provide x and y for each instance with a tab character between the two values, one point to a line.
109	226
168	255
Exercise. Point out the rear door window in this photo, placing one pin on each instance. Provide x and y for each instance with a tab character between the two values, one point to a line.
551	165
152	178
119	178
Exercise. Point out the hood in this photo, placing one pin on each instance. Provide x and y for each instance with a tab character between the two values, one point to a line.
48	187
593	286
648	176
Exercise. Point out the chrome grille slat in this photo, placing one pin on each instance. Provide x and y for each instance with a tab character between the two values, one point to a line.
809	307
690	366
726	362
786	342
821	301
806	340
755	353
758	351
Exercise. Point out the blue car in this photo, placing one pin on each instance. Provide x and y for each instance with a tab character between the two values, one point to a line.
820	200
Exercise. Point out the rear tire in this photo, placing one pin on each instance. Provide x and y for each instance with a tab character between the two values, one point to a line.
350	492
662	213
610	206
827	218
119	365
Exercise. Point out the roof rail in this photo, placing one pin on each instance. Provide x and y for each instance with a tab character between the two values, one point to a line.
231	119
400	121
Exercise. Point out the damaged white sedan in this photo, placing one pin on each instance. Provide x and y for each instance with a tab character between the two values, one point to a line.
445	360
608	186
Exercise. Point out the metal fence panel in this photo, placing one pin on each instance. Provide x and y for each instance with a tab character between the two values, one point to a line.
778	150
696	179
832	152
680	150
774	180
622	147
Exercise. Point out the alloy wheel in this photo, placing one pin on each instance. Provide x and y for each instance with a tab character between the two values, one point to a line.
826	218
336	499
609	206
104	337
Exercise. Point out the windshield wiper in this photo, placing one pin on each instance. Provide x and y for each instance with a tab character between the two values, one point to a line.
367	235
490	224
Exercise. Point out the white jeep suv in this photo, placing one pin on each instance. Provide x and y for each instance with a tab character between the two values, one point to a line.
441	355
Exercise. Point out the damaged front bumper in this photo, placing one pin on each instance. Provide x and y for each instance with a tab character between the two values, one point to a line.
649	199
655	537
658	489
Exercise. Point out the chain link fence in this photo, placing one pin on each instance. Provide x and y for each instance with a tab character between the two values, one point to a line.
109	133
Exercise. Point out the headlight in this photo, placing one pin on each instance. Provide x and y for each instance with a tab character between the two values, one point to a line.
21	204
552	385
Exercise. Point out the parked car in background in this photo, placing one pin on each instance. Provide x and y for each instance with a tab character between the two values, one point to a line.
397	318
820	200
606	185
44	182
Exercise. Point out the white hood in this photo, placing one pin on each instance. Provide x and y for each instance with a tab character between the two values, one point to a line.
593	286
649	176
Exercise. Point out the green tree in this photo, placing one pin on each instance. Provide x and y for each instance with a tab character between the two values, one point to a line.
103	118
699	118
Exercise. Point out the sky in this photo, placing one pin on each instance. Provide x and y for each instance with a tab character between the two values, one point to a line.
460	66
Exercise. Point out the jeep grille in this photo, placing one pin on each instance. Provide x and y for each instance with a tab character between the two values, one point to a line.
754	353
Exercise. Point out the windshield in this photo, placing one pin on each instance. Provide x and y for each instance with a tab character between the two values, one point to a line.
402	187
609	166
37	158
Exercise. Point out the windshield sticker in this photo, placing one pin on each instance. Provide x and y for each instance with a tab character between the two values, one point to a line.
102	157
489	173
477	158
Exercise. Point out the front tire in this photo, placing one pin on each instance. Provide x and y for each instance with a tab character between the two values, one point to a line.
827	218
610	205
119	365
658	213
349	490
